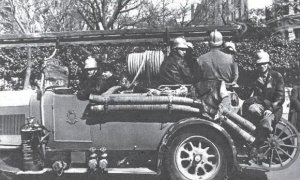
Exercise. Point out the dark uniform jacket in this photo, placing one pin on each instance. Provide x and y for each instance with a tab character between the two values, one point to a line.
271	91
295	98
294	114
213	68
216	65
94	85
175	70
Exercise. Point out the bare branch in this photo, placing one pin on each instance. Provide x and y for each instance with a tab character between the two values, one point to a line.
13	6
85	19
130	9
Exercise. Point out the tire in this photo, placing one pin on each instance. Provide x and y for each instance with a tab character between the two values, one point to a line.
281	149
196	155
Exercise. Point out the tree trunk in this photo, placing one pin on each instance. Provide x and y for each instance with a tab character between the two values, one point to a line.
28	71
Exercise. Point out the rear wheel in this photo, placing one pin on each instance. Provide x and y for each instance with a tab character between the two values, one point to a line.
196	155
281	149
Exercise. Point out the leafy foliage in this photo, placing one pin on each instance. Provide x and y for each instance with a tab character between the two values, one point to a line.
13	61
284	57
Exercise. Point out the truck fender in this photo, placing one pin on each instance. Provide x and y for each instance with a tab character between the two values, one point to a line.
192	123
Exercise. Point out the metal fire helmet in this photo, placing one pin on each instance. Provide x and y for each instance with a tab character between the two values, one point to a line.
230	46
90	63
216	38
263	57
180	42
190	45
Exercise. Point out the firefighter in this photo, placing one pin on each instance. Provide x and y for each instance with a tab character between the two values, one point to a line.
264	108
214	69
191	59
216	65
174	69
229	48
93	82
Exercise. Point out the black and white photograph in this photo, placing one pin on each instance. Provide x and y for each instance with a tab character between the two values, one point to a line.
149	89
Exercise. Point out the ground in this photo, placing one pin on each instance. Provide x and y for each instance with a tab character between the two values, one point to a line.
291	173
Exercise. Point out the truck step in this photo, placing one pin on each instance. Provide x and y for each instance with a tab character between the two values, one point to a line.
131	171
140	171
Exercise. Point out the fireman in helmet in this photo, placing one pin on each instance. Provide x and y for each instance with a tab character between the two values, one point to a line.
216	65
174	69
92	81
264	108
229	48
214	69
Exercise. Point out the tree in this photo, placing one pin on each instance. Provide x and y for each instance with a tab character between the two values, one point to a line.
103	14
19	16
59	15
147	15
182	15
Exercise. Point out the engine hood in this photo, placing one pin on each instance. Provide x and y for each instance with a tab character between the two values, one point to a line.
15	98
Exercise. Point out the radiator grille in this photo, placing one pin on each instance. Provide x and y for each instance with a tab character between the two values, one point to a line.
11	124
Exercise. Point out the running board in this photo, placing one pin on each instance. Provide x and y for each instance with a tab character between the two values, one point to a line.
140	171
145	171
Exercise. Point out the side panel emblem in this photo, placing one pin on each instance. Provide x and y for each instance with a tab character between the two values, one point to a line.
71	117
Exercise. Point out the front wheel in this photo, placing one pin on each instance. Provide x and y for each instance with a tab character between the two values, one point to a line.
196	155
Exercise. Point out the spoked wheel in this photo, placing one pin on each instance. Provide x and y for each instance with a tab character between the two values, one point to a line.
281	149
196	156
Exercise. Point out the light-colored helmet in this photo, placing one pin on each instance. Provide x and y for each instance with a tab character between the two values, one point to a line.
263	57
230	46
180	43
216	38
190	45
90	63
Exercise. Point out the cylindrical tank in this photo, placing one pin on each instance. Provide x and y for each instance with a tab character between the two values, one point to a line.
32	159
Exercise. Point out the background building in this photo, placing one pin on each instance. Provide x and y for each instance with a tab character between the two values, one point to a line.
284	17
219	12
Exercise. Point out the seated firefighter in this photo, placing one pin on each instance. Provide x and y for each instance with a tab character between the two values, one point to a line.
214	69
264	108
92	82
174	69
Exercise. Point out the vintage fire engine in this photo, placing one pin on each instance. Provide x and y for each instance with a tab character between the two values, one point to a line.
159	132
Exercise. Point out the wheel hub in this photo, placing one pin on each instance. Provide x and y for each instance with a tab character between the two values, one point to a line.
197	158
274	143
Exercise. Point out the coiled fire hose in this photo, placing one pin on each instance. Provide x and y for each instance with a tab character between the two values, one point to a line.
147	62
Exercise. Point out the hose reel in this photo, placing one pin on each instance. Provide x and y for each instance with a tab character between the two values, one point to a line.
145	64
